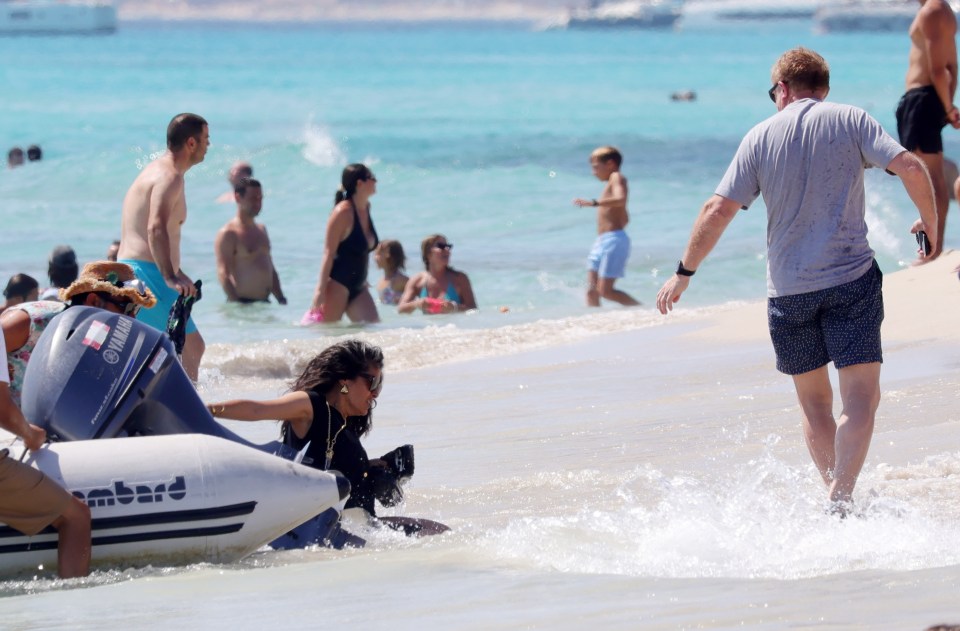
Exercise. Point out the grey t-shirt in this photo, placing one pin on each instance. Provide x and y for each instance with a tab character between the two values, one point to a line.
808	162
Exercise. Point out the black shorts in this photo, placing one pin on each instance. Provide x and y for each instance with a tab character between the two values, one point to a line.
840	324
920	117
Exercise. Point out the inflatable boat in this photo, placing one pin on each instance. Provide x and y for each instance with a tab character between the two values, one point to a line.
171	500
169	484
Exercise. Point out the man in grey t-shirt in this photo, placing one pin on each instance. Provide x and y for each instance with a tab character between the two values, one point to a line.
823	285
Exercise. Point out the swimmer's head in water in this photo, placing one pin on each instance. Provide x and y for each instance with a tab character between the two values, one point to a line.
392	255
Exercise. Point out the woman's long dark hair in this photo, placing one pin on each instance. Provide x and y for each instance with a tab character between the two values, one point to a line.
343	360
352	174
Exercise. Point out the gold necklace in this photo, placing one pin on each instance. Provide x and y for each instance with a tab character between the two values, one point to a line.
331	441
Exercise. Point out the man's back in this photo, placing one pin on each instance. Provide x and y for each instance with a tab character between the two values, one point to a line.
933	31
156	178
808	161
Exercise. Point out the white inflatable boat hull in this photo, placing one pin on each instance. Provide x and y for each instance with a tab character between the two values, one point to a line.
172	500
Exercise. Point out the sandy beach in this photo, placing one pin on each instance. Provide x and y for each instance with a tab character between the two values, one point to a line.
655	478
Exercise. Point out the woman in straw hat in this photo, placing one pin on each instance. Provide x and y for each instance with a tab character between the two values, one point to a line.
102	284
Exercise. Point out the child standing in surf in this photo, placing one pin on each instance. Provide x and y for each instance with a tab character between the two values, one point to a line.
607	260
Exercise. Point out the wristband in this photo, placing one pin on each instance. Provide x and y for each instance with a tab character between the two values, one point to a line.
683	271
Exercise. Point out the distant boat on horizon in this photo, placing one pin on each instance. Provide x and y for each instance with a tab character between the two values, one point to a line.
57	17
624	14
738	10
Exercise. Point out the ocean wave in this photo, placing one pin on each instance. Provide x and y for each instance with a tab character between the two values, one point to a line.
409	348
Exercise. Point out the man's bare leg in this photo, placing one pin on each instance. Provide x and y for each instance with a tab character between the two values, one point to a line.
860	393
73	546
934	162
607	291
815	395
193	349
593	295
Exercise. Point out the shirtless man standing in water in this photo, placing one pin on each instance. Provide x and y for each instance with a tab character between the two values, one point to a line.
154	210
244	264
927	104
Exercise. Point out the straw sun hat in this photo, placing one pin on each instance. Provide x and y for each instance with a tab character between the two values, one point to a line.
108	277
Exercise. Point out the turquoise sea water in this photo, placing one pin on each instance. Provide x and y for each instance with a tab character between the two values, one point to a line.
654	478
481	132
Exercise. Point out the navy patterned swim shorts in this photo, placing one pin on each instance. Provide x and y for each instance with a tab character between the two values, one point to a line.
840	324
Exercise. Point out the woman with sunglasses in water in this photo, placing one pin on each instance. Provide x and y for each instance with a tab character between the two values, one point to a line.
350	237
328	410
102	284
439	289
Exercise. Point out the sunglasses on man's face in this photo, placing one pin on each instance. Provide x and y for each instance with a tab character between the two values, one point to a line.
374	383
443	246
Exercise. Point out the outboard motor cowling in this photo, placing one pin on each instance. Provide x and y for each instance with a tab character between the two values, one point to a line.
99	374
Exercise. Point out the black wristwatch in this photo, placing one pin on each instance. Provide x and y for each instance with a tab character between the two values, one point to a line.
683	271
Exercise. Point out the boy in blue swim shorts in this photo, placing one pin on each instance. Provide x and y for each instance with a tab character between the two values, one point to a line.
608	258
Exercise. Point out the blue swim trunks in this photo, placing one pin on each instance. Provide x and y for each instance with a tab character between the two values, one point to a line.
840	324
608	257
157	317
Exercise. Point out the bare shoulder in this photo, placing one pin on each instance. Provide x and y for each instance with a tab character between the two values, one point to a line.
937	16
344	207
228	230
169	177
342	213
618	179
16	328
160	171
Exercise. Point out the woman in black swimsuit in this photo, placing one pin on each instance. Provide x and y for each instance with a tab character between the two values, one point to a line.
342	287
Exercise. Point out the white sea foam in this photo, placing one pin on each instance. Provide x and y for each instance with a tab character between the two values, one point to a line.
320	147
452	341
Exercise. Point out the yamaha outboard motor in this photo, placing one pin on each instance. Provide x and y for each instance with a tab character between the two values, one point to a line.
98	374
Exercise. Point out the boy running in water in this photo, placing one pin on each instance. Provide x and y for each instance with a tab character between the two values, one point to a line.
608	259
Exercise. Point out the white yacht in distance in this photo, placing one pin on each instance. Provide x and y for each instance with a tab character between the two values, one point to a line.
740	10
868	15
57	17
627	14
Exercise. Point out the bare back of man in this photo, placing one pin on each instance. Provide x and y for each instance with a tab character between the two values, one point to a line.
931	83
159	180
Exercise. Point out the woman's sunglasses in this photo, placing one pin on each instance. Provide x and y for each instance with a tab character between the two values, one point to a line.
374	383
443	246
